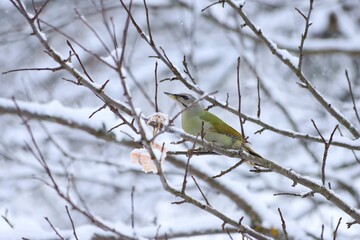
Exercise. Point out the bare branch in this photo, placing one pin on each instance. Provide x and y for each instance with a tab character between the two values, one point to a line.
148	22
212	4
36	16
54	229
239	97
304	80
326	149
103	86
349	224
94	32
98	110
132	208
34	69
187	71
287	194
202	193
352	96
222	173
72	222
291	174
258	97
304	35
190	154
336	229
283	225
156	87
7	219
124	38
79	60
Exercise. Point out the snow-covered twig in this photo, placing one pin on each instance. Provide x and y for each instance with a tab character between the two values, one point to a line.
66	64
38	155
66	118
321	46
290	174
214	102
289	61
280	105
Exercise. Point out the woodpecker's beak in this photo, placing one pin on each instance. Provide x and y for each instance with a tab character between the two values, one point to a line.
172	95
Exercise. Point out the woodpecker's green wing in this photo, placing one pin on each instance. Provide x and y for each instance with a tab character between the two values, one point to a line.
219	126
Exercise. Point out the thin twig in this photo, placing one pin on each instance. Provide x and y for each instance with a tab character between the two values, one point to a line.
132	208
98	110
185	175
116	126
239	96
202	193
322	232
148	22
212	4
336	114
72	222
226	230
287	194
114	37
54	229
6	219
124	38
289	63
197	152
187	71
282	107
283	225
304	35
94	32
157	232
349	224
258	97
190	154
34	69
36	16
288	173
352	150
327	146
222	173
156	87
336	229
326	149
101	89
109	31
228	233
352	96
79	60
179	202
53	184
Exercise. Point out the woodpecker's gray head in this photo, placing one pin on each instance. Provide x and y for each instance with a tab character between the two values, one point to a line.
184	100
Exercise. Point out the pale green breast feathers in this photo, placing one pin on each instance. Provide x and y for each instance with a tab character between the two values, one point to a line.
215	129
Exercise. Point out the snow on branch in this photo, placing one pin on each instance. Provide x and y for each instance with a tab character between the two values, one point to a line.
281	53
291	174
289	61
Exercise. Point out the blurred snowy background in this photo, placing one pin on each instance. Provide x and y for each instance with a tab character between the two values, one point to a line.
93	166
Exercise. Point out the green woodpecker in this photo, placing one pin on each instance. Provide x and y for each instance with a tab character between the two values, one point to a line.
195	121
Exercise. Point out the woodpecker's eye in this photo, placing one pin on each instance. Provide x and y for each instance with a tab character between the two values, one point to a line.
185	97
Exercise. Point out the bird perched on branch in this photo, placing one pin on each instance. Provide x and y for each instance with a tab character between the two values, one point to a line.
199	122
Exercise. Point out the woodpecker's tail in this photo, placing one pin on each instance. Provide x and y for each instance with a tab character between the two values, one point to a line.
252	152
